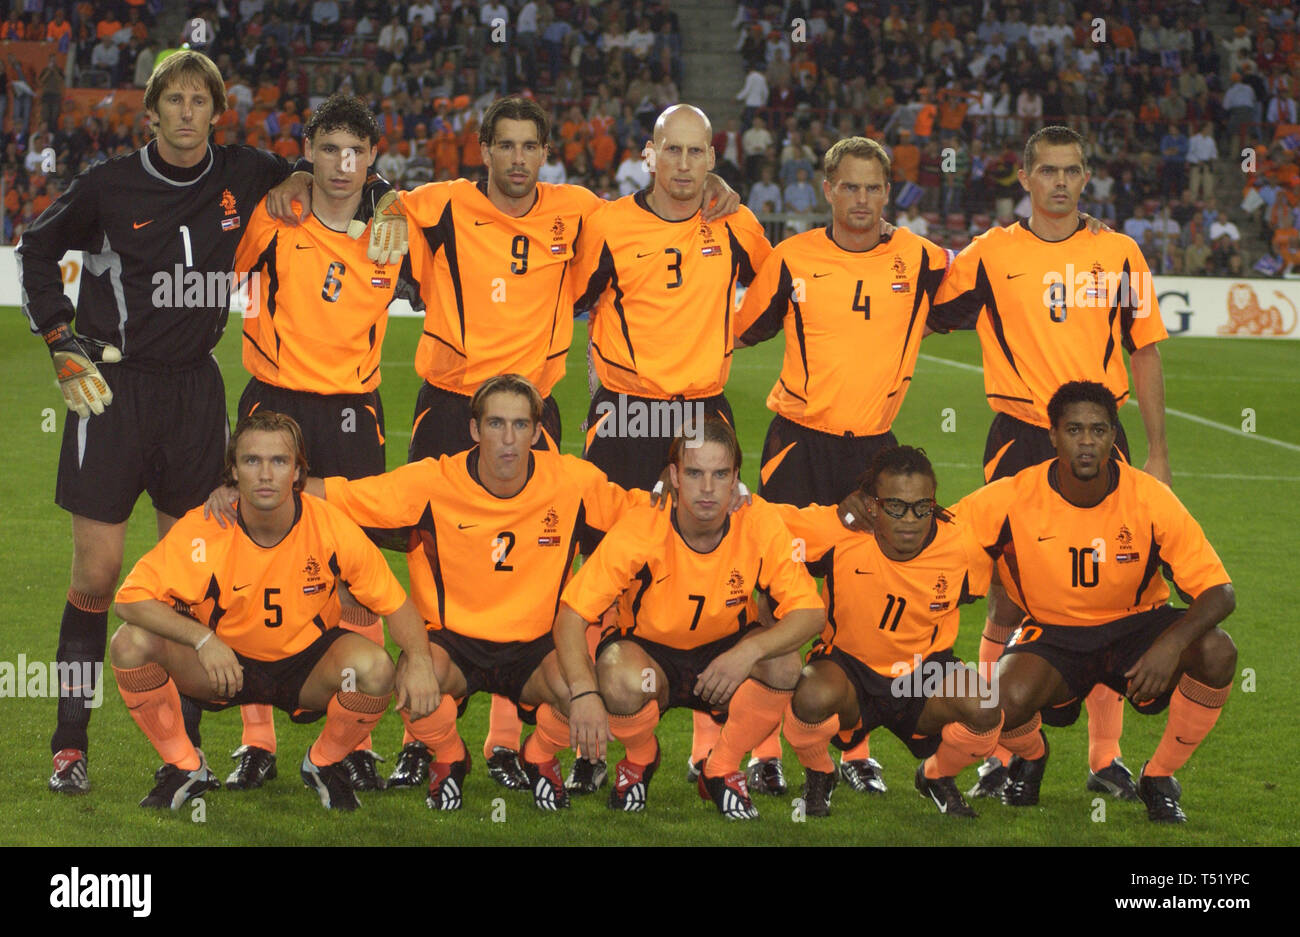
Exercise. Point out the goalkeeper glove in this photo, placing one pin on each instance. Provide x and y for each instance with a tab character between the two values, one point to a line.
388	233
84	389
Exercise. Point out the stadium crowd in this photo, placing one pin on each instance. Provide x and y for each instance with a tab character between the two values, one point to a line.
1166	102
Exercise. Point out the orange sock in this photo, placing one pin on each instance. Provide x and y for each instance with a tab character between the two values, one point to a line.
348	719
961	746
770	747
363	621
551	737
155	704
259	726
637	733
1105	725
504	726
754	713
1026	740
809	740
704	735
438	731
992	642
859	752
1193	710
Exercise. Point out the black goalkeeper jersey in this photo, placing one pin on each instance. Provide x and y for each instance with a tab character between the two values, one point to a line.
159	245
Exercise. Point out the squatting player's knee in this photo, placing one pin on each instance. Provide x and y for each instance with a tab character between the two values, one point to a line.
781	673
129	647
373	668
622	685
815	699
1218	658
1017	703
981	717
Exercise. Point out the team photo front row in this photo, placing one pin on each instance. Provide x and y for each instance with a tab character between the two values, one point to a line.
694	594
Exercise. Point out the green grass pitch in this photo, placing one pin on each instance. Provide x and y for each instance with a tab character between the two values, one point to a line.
1240	787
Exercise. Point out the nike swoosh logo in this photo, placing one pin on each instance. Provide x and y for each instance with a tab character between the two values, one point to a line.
657	581
1041	539
863	572
479	224
244	586
818	276
305	247
465	526
1183	741
646	254
1012	276
140	224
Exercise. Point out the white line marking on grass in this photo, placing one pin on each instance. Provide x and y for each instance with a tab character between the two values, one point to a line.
1178	413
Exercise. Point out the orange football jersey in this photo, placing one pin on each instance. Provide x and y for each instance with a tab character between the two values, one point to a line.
887	612
672	595
664	295
853	323
267	603
1050	312
483	566
1067	565
318	318
496	289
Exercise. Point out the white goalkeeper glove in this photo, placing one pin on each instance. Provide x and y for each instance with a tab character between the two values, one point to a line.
84	389
389	240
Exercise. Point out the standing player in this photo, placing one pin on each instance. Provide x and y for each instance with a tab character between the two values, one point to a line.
493	263
159	228
837	291
1053	302
312	344
685	636
886	656
253	617
492	539
1081	539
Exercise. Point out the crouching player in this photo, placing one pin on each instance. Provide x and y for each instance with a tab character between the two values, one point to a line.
886	657
1083	538
686	636
249	613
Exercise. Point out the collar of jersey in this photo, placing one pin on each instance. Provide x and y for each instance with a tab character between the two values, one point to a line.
640	199
537	200
1024	223
180	175
726	529
297	515
1053	479
884	239
471	466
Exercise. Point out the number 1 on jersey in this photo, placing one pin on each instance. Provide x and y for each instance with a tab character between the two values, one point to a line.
185	239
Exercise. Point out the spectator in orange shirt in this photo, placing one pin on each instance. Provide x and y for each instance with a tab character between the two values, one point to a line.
926	116
943	27
286	145
12	29
603	151
907	158
107	28
59	29
953	103
471	154
446	151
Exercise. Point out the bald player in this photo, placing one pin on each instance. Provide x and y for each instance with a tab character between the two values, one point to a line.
1053	302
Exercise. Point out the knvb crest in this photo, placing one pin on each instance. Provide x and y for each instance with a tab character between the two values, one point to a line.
312	569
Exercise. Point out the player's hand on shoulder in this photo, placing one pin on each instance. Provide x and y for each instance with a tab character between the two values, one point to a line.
84	389
225	675
417	685
741	499
589	724
886	229
1095	225
720	199
389	235
663	494
222	505
853	512
279	201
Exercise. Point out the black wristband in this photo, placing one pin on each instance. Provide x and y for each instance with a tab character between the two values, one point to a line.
582	694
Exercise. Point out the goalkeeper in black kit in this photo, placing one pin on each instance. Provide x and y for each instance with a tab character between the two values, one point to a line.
158	229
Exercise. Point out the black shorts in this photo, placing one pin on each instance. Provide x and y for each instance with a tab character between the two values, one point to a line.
879	704
279	682
803	466
344	433
165	433
441	424
1089	655
1014	445
681	667
628	437
498	667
